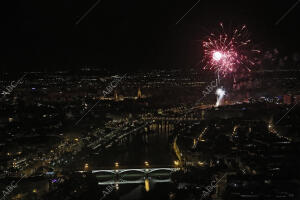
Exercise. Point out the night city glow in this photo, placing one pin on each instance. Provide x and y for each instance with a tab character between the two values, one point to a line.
140	100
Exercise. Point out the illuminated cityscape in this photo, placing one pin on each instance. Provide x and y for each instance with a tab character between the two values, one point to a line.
124	101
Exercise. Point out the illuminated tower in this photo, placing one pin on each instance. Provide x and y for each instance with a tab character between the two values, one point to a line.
139	94
116	96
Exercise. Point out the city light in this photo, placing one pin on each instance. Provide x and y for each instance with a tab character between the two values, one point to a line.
201	163
127	90
86	166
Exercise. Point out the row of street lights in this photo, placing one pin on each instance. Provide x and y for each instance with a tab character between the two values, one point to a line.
146	164
176	163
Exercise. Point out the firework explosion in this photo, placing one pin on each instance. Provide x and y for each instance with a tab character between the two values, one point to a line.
227	52
220	92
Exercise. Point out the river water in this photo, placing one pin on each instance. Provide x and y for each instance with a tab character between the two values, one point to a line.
152	145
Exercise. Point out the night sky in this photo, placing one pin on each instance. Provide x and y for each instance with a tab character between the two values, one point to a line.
133	34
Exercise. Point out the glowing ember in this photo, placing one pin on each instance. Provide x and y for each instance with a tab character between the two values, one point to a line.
226	52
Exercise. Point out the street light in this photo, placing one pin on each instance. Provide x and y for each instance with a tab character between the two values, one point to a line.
86	166
117	166
201	163
146	164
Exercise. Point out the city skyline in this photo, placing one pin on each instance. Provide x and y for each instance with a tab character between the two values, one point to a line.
131	100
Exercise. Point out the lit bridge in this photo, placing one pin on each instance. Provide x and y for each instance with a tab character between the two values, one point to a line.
145	170
133	176
171	118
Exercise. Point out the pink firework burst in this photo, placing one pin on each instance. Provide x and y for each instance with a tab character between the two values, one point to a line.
227	52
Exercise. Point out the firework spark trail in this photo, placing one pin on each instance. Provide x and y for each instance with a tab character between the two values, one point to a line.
227	52
220	94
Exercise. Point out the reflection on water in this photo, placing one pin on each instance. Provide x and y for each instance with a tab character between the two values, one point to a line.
150	148
147	186
146	189
151	144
